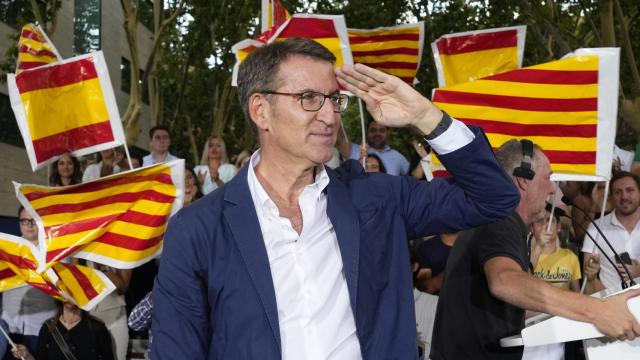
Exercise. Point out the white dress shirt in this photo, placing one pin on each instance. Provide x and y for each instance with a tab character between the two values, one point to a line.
314	311
620	239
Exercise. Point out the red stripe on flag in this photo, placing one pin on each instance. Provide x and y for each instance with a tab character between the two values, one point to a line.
29	50
560	77
383	38
571	157
28	34
62	253
83	281
477	42
102	184
150	195
309	28
18	261
408	80
6	274
441	173
129	242
392	65
514	129
515	102
394	51
131	217
73	139
27	65
46	288
55	76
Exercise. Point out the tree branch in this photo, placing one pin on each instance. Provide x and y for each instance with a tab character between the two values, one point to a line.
628	50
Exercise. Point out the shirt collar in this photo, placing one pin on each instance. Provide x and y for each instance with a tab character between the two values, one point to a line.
259	194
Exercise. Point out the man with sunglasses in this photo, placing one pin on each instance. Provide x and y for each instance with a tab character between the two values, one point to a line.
292	260
26	308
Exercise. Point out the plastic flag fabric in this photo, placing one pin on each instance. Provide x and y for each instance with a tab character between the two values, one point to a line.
328	30
66	107
568	107
395	50
273	15
35	49
117	221
467	56
84	286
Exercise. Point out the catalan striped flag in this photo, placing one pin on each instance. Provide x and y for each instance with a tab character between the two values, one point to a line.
35	49
466	56
328	30
568	107
20	257
274	14
66	107
84	286
395	50
118	220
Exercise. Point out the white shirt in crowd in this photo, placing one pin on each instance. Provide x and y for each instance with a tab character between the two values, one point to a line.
226	172
92	171
150	160
620	239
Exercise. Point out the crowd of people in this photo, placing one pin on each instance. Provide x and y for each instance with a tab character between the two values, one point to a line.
245	275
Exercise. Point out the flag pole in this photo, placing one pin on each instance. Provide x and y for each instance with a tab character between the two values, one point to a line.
364	136
126	151
13	345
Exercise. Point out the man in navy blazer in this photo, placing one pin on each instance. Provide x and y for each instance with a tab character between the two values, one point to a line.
292	260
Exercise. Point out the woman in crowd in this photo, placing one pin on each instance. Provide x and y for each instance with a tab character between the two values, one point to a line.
70	334
214	169
65	171
242	159
105	166
191	187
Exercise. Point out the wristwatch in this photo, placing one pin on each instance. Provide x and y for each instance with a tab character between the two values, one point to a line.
442	126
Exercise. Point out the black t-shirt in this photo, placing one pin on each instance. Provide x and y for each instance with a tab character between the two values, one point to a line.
89	340
469	321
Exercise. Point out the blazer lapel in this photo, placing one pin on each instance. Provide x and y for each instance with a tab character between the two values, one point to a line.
344	218
241	216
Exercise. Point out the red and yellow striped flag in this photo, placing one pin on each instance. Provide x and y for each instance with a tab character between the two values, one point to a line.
395	50
274	14
35	49
466	56
118	220
567	107
82	285
66	107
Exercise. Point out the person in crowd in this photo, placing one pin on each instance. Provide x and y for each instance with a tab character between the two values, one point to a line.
242	159
425	305
558	266
622	228
70	332
191	187
433	255
488	285
105	166
374	164
290	259
26	308
159	142
65	171
214	169
421	161
122	162
377	136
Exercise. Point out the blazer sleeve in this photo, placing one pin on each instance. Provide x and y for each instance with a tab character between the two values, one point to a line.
180	324
478	192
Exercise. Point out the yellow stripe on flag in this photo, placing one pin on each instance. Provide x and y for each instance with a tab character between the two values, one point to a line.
143	206
548	143
544	91
395	57
574	63
461	68
27	57
83	102
386	45
123	255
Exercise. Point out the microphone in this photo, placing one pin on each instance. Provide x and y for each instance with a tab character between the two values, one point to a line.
569	202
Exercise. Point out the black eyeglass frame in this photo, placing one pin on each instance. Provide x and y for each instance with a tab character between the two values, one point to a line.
337	108
25	222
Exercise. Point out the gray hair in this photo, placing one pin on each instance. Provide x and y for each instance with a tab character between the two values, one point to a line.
509	155
259	71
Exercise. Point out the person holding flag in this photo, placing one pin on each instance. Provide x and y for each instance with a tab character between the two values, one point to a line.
292	260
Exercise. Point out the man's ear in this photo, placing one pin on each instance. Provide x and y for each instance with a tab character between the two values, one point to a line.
522	184
260	111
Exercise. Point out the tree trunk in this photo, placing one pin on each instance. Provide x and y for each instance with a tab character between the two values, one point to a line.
131	117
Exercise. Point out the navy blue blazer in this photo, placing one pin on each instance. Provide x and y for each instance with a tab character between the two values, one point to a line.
214	296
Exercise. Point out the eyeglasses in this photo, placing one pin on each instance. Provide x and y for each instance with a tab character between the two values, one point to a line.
26	222
313	100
